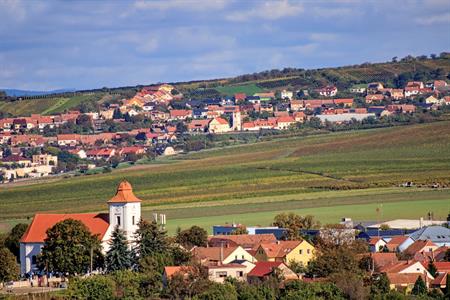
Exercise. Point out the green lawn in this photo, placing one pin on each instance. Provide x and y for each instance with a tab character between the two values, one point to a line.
328	170
248	89
326	215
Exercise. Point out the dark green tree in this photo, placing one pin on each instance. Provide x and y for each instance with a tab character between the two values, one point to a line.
69	247
380	285
118	256
150	238
420	287
194	236
9	270
12	241
432	269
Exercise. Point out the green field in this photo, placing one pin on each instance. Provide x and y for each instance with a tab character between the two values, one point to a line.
46	106
329	175
248	89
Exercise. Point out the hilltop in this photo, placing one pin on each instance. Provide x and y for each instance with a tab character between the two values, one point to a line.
394	73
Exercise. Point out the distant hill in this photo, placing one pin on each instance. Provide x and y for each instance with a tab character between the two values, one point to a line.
392	74
21	93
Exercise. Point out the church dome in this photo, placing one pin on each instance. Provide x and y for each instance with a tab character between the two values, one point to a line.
124	194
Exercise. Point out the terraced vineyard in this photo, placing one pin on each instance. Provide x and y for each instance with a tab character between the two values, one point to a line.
329	175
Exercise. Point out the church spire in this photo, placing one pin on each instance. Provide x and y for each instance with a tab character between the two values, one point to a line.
124	194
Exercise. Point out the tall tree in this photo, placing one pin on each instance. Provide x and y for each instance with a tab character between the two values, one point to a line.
432	269
12	241
420	287
293	223
118	256
150	238
68	248
9	270
194	236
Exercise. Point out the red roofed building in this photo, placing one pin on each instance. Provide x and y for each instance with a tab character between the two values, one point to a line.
285	122
104	153
180	114
240	97
374	98
124	212
264	269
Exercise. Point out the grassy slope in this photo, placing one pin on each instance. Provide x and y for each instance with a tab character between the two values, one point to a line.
46	106
293	173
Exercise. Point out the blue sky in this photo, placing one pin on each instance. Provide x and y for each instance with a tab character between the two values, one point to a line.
88	44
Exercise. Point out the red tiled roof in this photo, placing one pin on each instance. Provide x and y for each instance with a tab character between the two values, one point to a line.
244	240
279	249
36	232
212	253
172	270
381	259
403	278
442	266
263	268
441	279
180	113
285	119
221	121
418	246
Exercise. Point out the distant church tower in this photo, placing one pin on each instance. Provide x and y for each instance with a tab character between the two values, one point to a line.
236	121
125	210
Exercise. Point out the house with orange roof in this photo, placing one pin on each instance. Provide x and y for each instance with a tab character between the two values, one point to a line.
219	125
246	241
296	105
383	259
395	242
374	98
221	255
407	267
376	244
405	281
286	251
102	153
199	125
299	116
180	114
397	94
68	139
284	122
420	246
264	269
124	212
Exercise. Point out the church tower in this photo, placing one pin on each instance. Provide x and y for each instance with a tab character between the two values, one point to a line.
237	121
125	210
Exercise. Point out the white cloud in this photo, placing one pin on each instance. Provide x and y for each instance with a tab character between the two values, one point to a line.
191	5
269	10
434	19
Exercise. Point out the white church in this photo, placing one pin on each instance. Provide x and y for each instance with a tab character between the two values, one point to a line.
124	211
